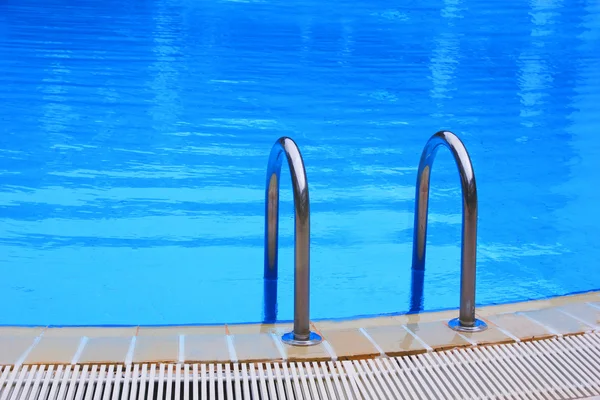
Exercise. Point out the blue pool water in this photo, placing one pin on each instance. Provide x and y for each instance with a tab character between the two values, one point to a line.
135	136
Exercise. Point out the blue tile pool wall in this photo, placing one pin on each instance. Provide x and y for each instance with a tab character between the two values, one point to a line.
135	136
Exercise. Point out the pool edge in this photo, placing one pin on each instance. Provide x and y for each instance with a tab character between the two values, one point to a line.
343	339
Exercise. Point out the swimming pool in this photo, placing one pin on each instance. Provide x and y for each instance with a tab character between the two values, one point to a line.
135	138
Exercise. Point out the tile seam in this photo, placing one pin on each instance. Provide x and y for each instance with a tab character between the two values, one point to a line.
231	347
329	349
506	332
370	339
181	354
472	342
82	343
26	353
546	327
589	303
418	339
279	346
129	356
568	314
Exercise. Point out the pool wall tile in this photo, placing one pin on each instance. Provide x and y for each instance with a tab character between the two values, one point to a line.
279	329
385	321
428	317
181	330
332	325
91	332
537	304
21	331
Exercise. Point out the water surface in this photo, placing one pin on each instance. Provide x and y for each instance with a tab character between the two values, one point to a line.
135	137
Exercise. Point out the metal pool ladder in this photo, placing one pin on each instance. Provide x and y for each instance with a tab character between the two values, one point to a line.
466	321
301	335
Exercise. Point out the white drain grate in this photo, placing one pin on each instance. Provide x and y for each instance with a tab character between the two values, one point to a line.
559	368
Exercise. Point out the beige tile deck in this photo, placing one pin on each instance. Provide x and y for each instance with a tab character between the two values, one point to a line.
585	312
395	340
206	348
13	347
490	335
162	348
54	350
262	342
255	347
557	321
349	343
520	326
301	353
437	335
112	349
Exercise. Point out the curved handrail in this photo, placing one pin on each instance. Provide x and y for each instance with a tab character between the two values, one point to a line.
301	335
466	320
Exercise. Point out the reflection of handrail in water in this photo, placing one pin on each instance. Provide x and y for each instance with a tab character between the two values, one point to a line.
269	301
301	335
417	282
466	320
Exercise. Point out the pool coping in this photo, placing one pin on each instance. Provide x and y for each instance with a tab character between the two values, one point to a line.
343	340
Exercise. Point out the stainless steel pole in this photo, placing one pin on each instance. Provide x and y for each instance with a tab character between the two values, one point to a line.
301	335
466	320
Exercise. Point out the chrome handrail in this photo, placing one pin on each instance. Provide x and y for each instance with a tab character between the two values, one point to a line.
466	320
301	335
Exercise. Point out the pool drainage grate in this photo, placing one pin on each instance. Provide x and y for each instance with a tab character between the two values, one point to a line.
559	368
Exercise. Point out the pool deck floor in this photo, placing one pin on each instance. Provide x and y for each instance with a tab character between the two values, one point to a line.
343	340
